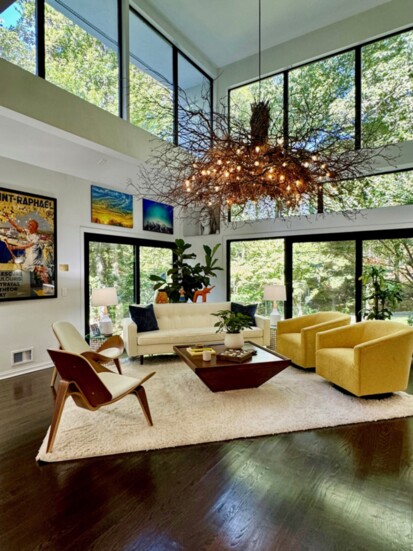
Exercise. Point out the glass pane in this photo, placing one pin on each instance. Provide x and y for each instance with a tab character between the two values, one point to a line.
324	277
396	257
112	265
322	103
386	190
253	264
150	74
387	90
194	95
152	261
82	50
18	34
271	90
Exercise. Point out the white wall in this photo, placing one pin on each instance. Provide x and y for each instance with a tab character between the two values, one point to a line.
27	323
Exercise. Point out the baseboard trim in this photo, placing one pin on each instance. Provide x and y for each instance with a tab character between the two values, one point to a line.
15	372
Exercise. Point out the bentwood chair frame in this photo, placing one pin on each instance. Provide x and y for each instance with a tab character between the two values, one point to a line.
91	386
72	341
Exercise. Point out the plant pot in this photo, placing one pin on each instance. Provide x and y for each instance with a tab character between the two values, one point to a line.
234	340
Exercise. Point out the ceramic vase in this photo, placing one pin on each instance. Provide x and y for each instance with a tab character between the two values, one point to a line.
234	340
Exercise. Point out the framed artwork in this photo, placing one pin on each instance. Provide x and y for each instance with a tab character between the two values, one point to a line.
202	221
27	246
111	207
157	217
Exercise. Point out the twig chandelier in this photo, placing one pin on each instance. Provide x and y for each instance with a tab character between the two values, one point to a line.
222	163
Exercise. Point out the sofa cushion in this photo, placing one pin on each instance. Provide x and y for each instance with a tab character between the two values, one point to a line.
191	336
246	309
144	317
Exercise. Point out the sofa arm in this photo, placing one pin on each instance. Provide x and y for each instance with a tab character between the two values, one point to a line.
340	337
264	324
130	336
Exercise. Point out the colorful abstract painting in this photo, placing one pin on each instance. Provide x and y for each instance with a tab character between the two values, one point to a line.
112	207
157	217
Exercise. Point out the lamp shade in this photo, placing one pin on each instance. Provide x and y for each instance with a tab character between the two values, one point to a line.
105	296
275	292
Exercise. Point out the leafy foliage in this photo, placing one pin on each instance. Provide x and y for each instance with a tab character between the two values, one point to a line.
185	276
231	322
382	294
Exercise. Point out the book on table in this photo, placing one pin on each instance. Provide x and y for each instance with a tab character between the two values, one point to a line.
198	351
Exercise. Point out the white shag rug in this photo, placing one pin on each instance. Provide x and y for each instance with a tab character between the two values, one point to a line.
185	411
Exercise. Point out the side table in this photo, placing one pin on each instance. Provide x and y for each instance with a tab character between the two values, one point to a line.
273	337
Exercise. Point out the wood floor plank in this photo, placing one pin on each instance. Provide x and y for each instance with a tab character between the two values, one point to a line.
346	488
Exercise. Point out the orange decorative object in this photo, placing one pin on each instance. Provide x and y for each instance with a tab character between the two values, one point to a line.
162	297
202	293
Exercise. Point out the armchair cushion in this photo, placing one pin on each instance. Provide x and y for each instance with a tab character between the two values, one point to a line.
246	309
144	317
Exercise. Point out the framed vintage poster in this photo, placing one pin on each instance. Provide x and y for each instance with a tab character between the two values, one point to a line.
157	217
27	246
111	207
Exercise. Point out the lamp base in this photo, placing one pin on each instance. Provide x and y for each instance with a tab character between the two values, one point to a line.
274	318
106	326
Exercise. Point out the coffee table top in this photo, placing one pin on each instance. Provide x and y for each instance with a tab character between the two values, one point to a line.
263	356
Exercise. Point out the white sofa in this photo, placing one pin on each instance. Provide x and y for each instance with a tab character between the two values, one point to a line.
185	323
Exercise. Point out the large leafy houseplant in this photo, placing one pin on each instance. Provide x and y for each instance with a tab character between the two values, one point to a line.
189	277
382	295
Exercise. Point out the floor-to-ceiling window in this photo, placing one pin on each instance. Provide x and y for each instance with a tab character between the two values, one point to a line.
323	277
126	264
252	264
322	273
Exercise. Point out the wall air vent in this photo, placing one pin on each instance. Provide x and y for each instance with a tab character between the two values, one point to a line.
19	357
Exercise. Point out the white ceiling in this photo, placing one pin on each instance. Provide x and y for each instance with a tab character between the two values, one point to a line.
226	31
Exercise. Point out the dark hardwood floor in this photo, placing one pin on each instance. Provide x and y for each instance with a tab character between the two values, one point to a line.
349	488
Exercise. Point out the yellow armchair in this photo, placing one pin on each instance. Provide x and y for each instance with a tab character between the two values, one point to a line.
296	337
370	357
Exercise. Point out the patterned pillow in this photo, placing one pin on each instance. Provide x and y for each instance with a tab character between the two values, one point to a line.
144	317
246	309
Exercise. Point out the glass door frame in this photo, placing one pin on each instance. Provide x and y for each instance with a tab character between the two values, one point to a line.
358	237
121	240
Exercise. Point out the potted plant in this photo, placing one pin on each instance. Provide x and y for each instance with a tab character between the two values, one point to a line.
381	294
232	323
184	276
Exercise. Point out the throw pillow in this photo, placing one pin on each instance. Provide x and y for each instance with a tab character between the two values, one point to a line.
144	317
246	309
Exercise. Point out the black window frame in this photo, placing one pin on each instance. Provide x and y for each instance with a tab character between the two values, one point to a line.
358	237
136	242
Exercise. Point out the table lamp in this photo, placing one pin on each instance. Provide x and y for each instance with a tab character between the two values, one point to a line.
105	296
274	293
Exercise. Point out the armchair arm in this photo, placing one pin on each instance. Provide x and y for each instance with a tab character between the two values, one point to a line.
96	360
293	325
386	348
130	337
340	337
309	334
115	341
264	324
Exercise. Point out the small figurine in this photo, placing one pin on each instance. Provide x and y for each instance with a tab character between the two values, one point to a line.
162	297
202	293
181	294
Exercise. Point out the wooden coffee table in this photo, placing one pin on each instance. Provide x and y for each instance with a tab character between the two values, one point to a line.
221	375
